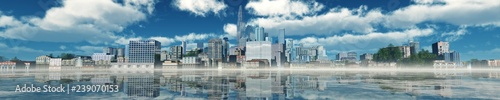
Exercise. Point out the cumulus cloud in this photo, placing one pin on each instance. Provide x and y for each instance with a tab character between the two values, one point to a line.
200	7
286	8
456	12
454	35
365	41
336	20
230	29
194	37
93	21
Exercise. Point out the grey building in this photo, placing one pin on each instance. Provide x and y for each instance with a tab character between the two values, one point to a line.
366	56
143	51
440	47
278	54
281	36
414	47
215	51
452	57
177	52
258	50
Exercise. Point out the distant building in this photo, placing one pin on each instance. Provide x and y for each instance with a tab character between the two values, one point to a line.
281	36
199	45
278	54
42	60
414	47
493	63
452	57
190	62
143	51
184	46
55	62
258	50
439	48
405	50
352	55
215	51
177	53
289	49
341	55
366	56
260	34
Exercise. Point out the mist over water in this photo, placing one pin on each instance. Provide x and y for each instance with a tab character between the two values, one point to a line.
275	84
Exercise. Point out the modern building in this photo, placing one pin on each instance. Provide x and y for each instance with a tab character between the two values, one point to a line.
341	55
493	63
143	51
258	50
225	48
55	62
414	47
440	47
260	35
184	46
453	57
42	60
366	56
289	48
215	51
406	50
281	36
278	54
177	52
102	56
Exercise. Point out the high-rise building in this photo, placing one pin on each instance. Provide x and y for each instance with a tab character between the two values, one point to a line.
278	54
177	52
143	51
405	50
258	50
184	47
240	27
281	36
120	52
452	57
414	47
288	50
259	34
215	50
440	47
225	47
109	50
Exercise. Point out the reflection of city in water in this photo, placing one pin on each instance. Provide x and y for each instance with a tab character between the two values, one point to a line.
262	84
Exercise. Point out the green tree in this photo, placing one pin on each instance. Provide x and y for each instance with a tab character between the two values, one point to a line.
388	54
15	59
67	56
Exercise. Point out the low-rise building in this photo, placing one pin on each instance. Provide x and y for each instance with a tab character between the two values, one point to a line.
55	62
42	60
493	63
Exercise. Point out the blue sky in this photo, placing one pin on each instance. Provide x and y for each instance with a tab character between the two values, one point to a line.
30	28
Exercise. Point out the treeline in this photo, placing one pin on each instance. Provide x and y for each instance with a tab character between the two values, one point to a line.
394	54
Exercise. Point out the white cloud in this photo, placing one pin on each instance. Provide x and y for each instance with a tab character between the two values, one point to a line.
230	29
456	12
165	41
200	7
93	21
366	41
454	35
333	21
286	8
8	21
194	37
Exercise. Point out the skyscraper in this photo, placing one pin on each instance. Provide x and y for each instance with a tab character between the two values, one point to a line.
440	47
281	36
177	52
215	50
143	51
184	47
241	25
414	47
259	34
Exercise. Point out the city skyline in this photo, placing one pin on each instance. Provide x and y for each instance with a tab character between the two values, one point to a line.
32	29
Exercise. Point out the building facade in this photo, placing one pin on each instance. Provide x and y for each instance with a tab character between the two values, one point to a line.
440	47
143	51
258	50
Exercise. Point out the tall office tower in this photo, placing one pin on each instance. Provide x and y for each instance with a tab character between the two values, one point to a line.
281	36
288	50
259	34
225	48
176	53
184	47
414	47
199	45
215	49
109	50
241	26
278	54
440	47
143	51
249	33
120	52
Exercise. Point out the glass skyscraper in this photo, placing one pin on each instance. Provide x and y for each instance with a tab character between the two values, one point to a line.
143	51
